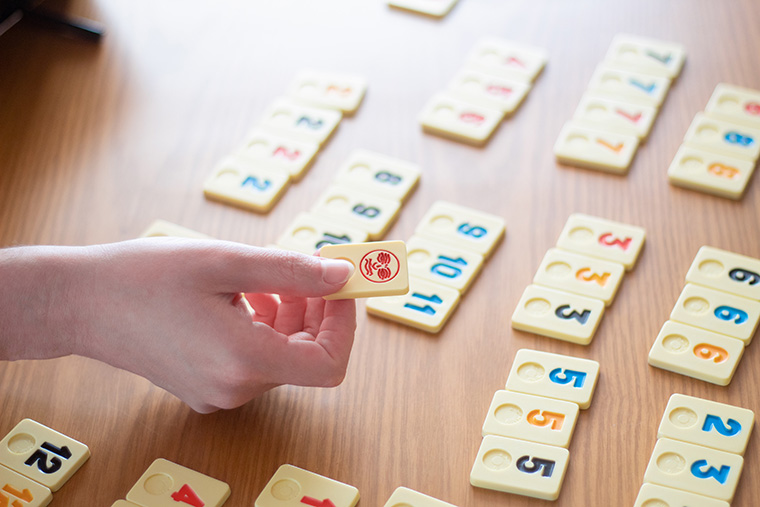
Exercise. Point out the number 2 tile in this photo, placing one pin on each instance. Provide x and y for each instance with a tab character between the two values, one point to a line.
167	484
42	454
708	423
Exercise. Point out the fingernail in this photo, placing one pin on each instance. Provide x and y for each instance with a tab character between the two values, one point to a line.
336	271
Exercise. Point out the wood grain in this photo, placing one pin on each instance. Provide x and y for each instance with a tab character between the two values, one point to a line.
96	141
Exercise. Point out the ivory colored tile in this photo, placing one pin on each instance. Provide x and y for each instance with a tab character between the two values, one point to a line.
534	418
558	314
287	118
629	86
279	152
450	117
462	227
649	56
405	497
427	306
615	116
435	8
520	467
507	59
380	269
696	353
308	233
164	228
357	209
717	311
18	490
708	423
246	184
441	263
332	90
42	454
726	271
490	91
595	148
732	103
602	238
124	503
725	137
694	468
295	487
652	495
379	174
167	484
710	172
580	274
554	376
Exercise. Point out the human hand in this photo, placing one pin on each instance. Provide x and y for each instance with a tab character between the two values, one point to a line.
172	311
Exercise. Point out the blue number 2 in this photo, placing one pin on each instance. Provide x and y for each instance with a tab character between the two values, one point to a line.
715	422
558	376
719	475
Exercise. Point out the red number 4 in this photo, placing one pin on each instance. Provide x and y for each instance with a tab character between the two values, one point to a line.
188	496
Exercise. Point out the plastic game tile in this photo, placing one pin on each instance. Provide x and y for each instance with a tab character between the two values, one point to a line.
725	137
732	103
615	115
694	468
508	59
279	152
595	148
308	233
42	454
652	495
295	487
558	314
726	271
629	86
163	228
305	123
580	274
246	184
329	89
405	497
462	227
427	306
520	467
443	264
534	418
602	238
167	484
708	423
357	209
380	269
646	55
124	503
17	490
488	90
696	353
554	376
710	172
448	116
434	8
379	174
717	311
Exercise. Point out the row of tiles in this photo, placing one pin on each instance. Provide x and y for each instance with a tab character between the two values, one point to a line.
714	319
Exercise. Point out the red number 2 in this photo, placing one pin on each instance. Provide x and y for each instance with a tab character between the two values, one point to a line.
188	496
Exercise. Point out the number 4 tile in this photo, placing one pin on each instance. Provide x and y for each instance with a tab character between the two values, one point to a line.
291	486
167	484
42	454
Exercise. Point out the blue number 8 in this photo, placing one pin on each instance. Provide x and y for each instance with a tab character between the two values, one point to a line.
732	314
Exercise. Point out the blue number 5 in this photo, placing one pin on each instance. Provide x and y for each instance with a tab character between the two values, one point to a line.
565	377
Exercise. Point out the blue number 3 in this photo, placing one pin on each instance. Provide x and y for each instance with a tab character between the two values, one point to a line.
719	475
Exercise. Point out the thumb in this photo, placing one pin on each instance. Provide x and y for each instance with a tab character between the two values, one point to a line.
272	271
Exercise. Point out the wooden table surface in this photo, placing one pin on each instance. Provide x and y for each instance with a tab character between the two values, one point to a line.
98	140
